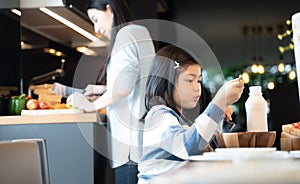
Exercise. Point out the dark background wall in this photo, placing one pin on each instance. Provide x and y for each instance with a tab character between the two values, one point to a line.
284	106
19	67
9	50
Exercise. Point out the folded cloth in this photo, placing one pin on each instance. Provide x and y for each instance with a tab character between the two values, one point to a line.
78	100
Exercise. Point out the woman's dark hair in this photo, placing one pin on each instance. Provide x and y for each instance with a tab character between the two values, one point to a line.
122	16
168	63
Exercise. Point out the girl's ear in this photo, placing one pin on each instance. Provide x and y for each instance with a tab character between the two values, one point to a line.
108	8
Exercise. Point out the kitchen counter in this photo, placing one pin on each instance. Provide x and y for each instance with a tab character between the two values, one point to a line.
70	141
50	119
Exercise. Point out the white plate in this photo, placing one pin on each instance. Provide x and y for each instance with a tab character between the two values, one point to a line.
295	154
242	154
209	156
245	150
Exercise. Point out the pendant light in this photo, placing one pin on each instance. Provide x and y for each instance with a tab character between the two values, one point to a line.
281	65
254	52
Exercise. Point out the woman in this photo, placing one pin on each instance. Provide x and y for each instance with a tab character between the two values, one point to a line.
131	51
174	84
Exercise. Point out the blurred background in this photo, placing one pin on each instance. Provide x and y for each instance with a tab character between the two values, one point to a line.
252	38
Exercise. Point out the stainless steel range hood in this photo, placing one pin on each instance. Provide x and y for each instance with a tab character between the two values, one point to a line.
37	21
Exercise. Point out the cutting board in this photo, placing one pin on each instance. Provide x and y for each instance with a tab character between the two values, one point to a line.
50	112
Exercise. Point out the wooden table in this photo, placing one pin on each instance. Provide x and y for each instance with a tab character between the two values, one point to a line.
231	172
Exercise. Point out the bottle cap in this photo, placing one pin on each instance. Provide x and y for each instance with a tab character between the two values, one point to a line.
255	90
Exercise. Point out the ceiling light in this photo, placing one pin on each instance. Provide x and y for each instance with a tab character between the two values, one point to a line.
58	53
16	11
254	68
54	52
86	51
271	85
279	36
292	75
260	69
280	67
51	51
81	49
287	33
246	77
282	49
25	45
69	24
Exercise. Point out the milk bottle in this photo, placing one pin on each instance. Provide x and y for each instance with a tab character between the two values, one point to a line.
256	109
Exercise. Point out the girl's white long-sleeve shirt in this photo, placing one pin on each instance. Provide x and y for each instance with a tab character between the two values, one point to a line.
168	140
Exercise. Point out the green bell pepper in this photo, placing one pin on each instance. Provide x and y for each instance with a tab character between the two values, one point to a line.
17	104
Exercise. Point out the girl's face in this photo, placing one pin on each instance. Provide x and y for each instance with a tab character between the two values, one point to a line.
188	88
102	20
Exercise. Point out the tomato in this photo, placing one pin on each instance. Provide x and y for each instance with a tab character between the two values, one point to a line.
296	125
28	97
32	104
44	105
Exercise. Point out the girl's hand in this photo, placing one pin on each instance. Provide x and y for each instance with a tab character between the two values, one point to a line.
79	101
229	93
233	90
228	113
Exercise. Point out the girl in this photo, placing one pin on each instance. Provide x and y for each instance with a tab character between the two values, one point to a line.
174	83
131	51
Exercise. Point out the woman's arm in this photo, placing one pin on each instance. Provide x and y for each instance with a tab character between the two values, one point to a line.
132	45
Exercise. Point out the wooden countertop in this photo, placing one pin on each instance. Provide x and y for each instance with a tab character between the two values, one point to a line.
51	119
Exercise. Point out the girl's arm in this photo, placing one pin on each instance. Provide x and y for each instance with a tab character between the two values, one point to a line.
166	132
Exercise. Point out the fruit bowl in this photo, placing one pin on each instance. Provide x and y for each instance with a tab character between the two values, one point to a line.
246	139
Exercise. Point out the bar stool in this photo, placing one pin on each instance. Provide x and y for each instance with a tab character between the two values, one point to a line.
24	161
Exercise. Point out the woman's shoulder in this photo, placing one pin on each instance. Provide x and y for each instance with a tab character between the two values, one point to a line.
134	30
134	27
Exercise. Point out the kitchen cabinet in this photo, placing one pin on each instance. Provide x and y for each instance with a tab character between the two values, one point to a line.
70	141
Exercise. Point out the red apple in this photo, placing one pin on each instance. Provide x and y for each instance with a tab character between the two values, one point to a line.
44	105
32	104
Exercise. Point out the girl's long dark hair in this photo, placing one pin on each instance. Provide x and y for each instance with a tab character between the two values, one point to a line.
122	16
163	75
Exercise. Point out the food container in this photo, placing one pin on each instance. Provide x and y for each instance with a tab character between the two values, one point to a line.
289	142
246	139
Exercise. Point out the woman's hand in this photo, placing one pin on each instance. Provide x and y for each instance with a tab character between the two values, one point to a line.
92	90
59	89
79	101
